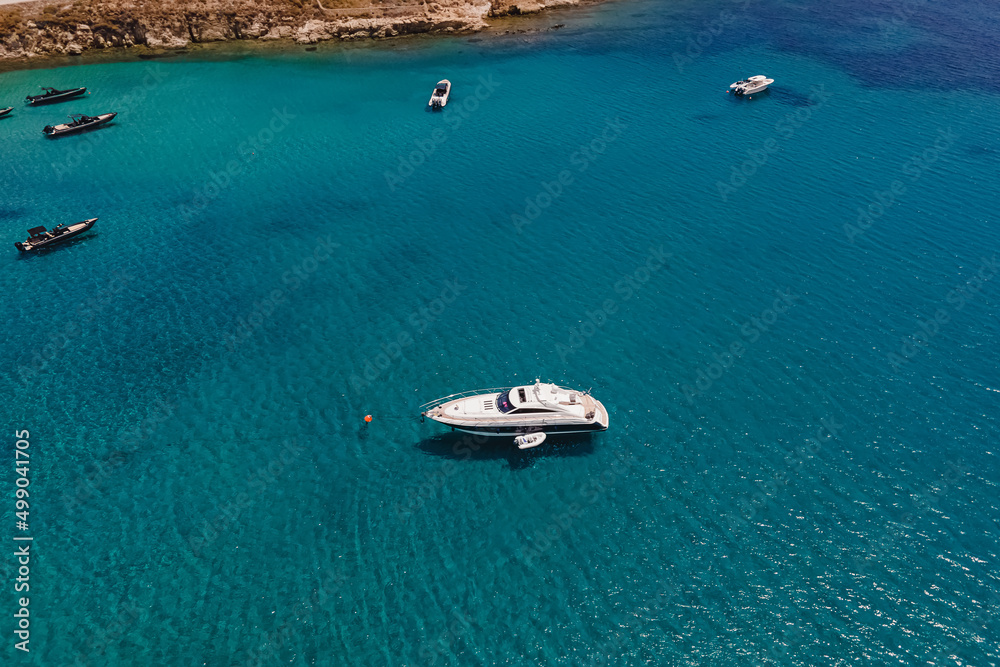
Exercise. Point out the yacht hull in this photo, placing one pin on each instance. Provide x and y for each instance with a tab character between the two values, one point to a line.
752	91
513	431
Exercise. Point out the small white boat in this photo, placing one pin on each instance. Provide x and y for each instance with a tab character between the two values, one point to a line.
441	93
530	440
751	86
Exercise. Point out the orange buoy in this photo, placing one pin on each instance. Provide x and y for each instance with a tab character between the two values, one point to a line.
368	418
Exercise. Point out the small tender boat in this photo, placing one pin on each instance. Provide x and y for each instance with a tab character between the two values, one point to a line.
530	440
4	112
53	95
80	122
39	238
751	86
520	411
441	93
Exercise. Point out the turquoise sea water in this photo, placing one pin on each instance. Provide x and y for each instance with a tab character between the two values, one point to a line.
801	465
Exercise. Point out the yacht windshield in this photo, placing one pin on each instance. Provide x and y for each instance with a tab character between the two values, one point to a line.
503	402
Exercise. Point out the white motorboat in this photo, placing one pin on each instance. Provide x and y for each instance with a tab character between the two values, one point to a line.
529	441
751	86
528	409
441	93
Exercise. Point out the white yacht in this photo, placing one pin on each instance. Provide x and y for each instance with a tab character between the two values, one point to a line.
751	86
441	92
528	409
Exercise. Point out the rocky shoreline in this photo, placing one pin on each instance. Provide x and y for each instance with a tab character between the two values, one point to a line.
39	30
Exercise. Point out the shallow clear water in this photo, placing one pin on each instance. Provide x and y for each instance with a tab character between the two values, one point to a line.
289	243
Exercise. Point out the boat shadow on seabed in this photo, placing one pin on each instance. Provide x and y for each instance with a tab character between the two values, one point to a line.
468	447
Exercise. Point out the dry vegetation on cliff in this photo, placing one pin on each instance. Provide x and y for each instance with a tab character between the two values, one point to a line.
45	28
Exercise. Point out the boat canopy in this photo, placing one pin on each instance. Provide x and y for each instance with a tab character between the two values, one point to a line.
504	403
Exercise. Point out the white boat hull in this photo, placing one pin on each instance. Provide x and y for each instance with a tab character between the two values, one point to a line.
507	433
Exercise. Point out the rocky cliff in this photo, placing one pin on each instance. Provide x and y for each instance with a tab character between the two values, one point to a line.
40	28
